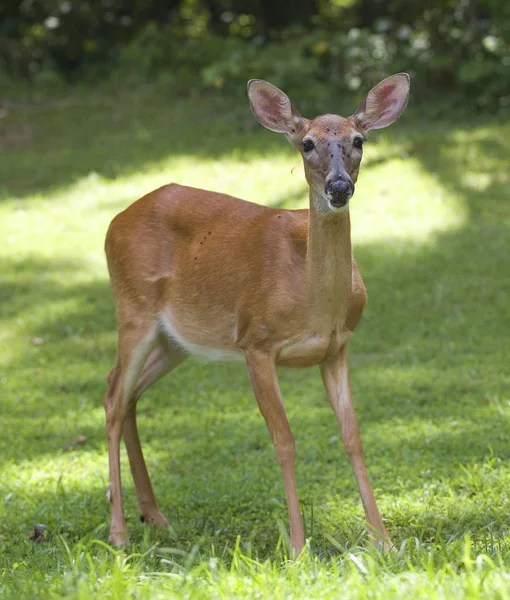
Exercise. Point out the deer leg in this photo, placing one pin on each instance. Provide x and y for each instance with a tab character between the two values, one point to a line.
262	370
134	347
161	361
335	374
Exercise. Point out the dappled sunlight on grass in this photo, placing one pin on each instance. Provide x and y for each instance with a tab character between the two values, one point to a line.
400	201
395	200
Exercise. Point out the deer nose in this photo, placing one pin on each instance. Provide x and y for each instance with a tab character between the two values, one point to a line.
340	189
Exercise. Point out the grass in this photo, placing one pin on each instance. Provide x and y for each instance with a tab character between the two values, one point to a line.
429	363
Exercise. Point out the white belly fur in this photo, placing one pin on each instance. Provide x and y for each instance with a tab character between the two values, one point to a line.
200	352
289	349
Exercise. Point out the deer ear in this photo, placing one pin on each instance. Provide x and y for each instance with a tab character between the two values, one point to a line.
272	108
384	104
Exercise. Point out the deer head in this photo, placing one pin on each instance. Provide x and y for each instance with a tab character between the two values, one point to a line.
331	145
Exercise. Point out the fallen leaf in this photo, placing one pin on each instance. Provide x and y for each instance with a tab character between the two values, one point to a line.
37	534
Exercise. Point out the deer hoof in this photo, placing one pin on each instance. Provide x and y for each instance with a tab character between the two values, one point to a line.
156	519
118	538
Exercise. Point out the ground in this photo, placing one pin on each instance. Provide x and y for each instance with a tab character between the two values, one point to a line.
429	366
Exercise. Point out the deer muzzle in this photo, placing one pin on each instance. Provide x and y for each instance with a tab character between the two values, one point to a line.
339	190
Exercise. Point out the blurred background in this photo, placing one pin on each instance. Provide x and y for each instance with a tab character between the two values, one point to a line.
454	47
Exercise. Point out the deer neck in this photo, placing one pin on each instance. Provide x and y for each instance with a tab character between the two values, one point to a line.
329	263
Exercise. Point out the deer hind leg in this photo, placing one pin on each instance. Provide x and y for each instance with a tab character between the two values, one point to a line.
135	344
335	374
162	360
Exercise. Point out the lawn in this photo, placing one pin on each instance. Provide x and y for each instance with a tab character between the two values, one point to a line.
429	365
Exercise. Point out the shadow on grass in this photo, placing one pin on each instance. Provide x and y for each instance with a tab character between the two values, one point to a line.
32	282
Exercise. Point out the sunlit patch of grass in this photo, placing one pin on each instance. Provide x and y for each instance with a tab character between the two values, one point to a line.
429	368
400	200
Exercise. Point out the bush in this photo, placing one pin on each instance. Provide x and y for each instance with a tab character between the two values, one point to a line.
460	47
312	64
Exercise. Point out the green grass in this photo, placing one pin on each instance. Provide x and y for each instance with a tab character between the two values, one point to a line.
429	364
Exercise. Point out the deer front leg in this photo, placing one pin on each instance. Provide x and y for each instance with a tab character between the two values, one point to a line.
335	375
262	370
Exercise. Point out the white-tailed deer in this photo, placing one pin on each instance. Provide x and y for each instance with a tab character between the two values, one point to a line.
205	274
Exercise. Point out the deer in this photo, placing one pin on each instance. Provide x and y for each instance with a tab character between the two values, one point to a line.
204	274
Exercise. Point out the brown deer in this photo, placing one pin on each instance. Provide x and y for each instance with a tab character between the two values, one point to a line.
200	273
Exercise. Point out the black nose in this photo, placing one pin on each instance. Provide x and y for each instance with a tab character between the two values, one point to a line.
340	190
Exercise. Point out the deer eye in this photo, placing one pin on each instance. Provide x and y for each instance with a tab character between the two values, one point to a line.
358	142
308	145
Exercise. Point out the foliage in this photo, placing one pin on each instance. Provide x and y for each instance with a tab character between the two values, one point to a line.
69	36
458	47
429	365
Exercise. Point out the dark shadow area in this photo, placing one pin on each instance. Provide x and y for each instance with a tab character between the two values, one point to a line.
36	277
